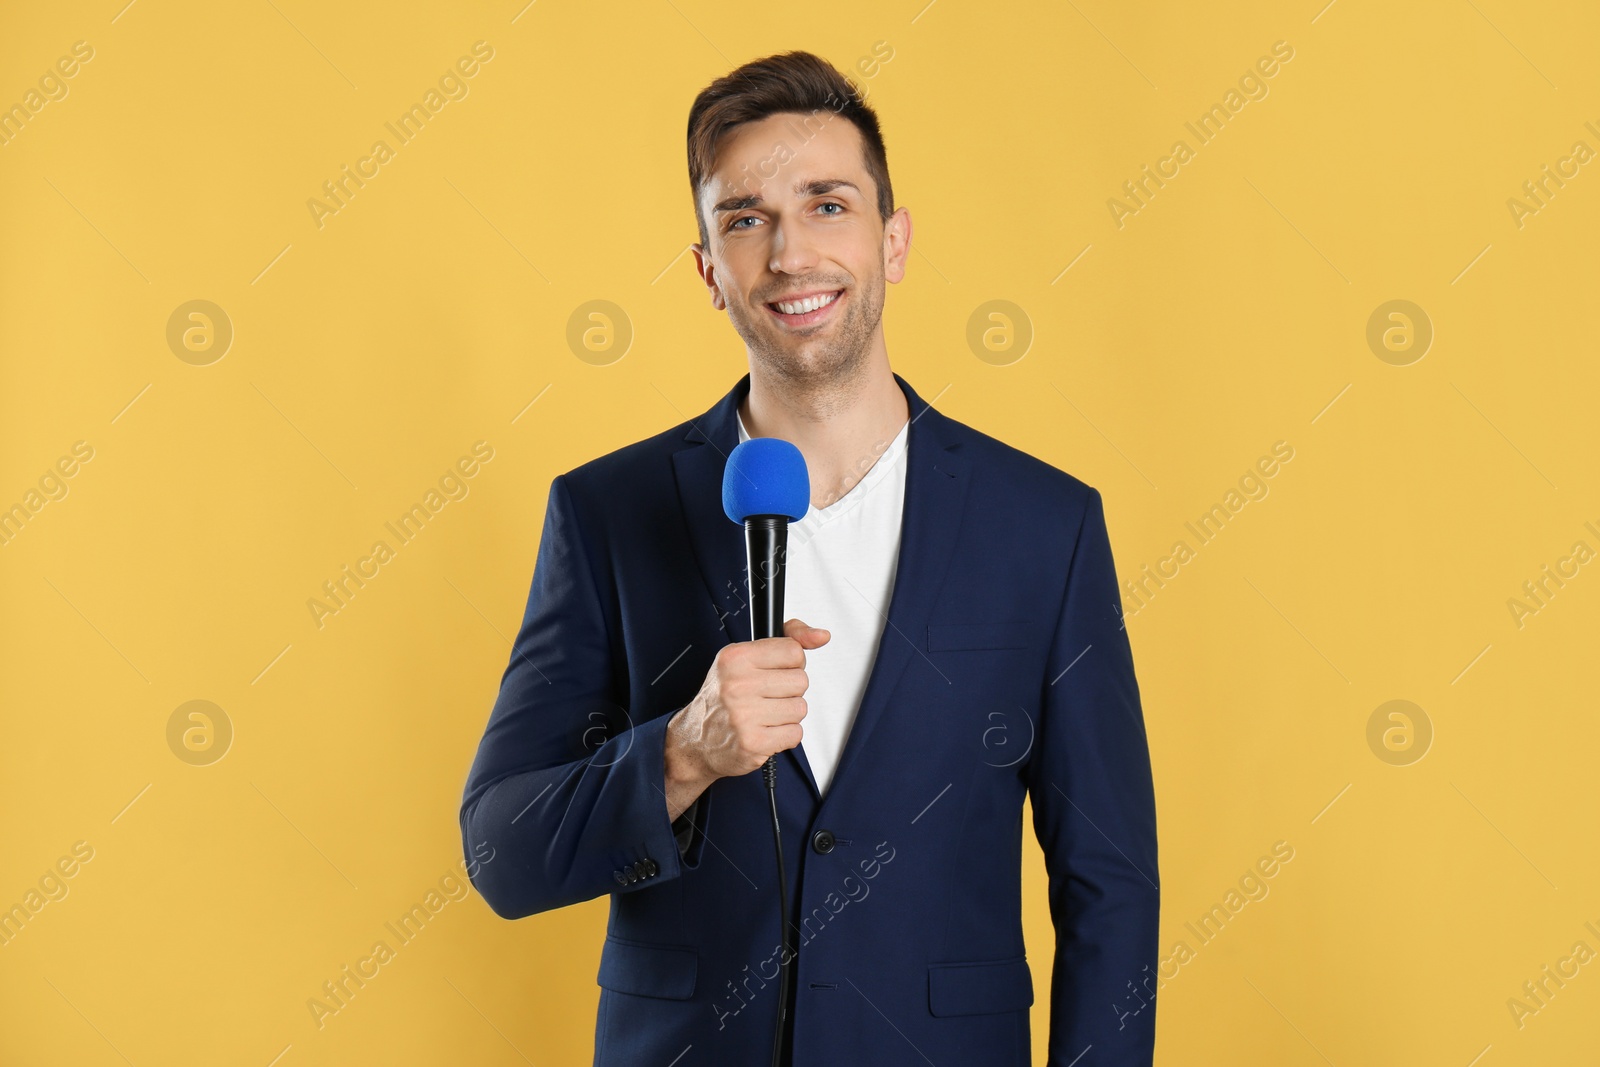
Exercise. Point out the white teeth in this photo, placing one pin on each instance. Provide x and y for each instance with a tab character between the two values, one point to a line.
800	307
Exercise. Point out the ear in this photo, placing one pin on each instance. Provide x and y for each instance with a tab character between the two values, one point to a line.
708	273
896	244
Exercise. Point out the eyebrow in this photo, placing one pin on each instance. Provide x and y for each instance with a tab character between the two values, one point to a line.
814	187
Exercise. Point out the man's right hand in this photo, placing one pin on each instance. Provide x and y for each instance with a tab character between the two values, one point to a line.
749	707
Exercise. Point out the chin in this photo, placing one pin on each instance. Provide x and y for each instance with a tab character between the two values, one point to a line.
810	361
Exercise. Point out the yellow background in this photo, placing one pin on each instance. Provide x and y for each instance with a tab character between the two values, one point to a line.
368	354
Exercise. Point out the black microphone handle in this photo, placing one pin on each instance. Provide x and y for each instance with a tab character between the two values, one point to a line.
766	539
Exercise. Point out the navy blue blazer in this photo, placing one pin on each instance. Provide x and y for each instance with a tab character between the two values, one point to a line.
1004	670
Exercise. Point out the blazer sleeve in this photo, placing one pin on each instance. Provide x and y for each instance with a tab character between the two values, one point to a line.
1093	802
566	788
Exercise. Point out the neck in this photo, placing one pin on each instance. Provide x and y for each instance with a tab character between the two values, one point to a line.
840	426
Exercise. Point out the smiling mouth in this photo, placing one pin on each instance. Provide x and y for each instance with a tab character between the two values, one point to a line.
806	311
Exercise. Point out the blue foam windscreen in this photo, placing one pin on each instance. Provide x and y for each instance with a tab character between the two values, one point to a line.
765	476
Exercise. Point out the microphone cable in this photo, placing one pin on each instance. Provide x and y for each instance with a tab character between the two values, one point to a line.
770	772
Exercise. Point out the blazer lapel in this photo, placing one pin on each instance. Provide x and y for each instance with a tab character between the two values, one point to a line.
718	544
936	491
936	487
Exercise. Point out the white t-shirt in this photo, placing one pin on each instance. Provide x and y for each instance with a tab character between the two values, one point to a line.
839	575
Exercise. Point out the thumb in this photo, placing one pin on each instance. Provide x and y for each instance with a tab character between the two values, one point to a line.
808	636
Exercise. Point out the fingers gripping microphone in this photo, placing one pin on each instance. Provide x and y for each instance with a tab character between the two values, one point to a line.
764	486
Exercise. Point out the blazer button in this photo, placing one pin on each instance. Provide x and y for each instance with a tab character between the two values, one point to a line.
650	868
620	876
822	841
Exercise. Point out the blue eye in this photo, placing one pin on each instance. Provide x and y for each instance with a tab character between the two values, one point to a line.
734	225
831	203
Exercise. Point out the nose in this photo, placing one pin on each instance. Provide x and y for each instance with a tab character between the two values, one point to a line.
793	251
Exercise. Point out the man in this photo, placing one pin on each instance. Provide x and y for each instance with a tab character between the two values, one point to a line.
967	651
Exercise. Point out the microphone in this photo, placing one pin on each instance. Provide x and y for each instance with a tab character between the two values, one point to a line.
764	486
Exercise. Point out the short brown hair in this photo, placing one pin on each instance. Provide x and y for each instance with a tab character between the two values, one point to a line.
793	81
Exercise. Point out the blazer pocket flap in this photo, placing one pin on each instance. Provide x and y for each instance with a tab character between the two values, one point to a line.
648	970
950	636
980	987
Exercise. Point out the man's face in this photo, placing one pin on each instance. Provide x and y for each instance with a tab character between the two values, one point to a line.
798	254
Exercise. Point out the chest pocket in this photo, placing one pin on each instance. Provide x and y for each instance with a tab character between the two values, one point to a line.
962	636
